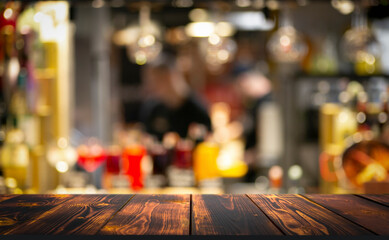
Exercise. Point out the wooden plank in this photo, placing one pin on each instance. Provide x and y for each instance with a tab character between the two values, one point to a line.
368	214
82	214
295	215
4	197
16	210
380	198
229	215
151	215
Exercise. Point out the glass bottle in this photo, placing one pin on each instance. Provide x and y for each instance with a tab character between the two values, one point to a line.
361	116
15	159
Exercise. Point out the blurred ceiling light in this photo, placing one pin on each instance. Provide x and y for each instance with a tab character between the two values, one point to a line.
360	46
217	48
182	3
98	3
250	21
358	43
214	39
146	46
286	44
130	34
273	4
224	29
343	6
206	29
217	51
243	3
125	36
258	4
200	29
198	15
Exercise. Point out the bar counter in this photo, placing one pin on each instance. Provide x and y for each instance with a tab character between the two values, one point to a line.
186	214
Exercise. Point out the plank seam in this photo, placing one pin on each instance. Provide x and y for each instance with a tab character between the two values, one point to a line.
113	215
371	200
190	214
265	214
359	225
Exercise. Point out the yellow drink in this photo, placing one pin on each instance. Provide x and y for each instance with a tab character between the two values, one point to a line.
205	165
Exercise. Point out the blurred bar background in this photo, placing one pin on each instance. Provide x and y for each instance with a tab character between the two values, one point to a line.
194	96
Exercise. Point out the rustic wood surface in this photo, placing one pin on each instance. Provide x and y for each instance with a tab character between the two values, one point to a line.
229	215
253	214
83	214
6	197
152	215
295	215
372	216
19	209
383	199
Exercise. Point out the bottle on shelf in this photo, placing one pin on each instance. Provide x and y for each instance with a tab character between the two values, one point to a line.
15	160
383	118
361	115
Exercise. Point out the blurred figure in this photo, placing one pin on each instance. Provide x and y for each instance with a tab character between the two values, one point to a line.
255	90
171	106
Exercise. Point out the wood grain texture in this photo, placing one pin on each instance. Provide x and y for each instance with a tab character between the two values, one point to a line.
368	214
295	215
152	215
382	199
4	197
17	210
83	214
229	215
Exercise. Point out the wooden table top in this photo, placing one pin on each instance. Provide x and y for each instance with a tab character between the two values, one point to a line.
187	214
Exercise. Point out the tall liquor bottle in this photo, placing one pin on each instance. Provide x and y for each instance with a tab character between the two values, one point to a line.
15	153
15	159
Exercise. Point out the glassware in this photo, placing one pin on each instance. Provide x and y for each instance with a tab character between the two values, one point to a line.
132	164
160	159
91	156
113	160
286	45
147	47
205	157
364	162
183	154
217	51
61	155
360	46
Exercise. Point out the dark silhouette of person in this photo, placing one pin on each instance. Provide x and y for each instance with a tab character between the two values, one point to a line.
171	105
